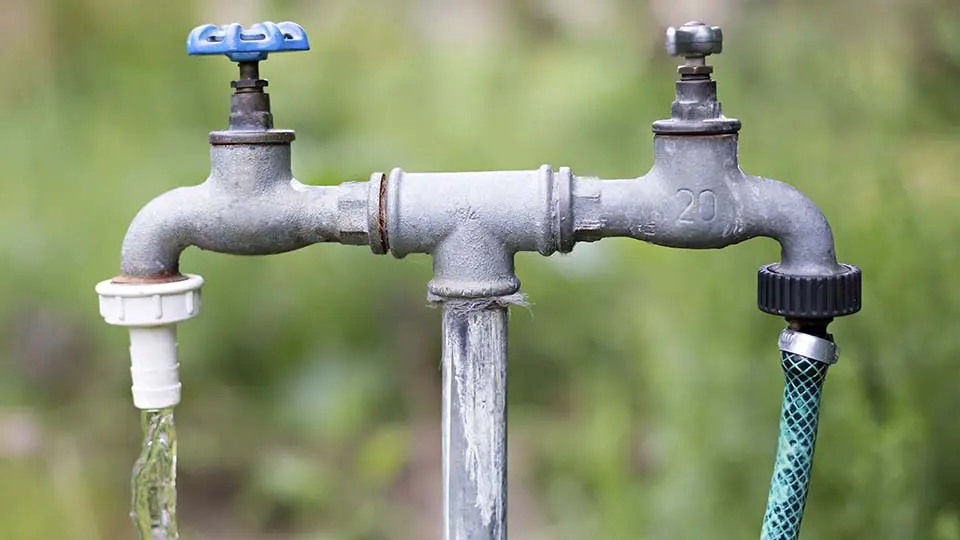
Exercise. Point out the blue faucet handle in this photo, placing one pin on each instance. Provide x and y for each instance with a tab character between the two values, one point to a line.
247	45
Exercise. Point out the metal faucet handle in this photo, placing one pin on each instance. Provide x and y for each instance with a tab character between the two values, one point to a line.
247	45
694	39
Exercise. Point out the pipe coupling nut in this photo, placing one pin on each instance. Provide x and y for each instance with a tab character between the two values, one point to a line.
149	304
812	347
352	201
809	297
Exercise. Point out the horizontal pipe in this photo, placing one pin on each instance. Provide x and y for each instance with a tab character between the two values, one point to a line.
695	197
518	209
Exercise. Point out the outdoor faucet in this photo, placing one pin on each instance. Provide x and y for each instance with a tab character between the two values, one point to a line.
696	196
250	204
473	224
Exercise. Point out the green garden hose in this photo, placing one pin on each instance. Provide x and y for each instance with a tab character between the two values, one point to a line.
803	382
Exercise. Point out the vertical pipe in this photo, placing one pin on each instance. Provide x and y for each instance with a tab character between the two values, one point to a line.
474	420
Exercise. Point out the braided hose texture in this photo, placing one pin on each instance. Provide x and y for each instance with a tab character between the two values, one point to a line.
803	383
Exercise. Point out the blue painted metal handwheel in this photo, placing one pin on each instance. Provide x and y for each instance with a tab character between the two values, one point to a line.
251	44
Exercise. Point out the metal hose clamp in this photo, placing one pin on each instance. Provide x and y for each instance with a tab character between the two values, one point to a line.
819	349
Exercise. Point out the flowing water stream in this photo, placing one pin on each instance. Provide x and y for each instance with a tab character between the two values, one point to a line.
155	479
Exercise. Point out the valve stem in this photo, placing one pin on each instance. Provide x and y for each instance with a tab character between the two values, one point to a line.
249	70
249	104
695	68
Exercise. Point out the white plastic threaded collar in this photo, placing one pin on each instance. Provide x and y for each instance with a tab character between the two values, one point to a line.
152	311
149	304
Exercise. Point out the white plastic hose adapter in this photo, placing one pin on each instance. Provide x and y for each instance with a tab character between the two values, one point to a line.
152	311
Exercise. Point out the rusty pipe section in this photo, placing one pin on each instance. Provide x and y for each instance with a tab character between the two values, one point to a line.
251	204
696	197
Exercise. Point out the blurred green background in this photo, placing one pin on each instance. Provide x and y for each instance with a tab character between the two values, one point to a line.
644	384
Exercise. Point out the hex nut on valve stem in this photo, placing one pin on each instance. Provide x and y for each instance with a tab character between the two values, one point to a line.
152	311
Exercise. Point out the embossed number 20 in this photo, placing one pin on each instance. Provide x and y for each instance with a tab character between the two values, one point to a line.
702	205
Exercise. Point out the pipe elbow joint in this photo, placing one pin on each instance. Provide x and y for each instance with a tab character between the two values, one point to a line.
159	233
808	282
779	211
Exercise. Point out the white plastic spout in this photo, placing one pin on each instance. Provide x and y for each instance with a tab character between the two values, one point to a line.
152	311
154	367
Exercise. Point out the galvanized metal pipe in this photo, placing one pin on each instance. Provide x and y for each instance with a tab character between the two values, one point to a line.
474	420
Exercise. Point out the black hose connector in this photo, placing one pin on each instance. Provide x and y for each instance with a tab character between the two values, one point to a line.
809	297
